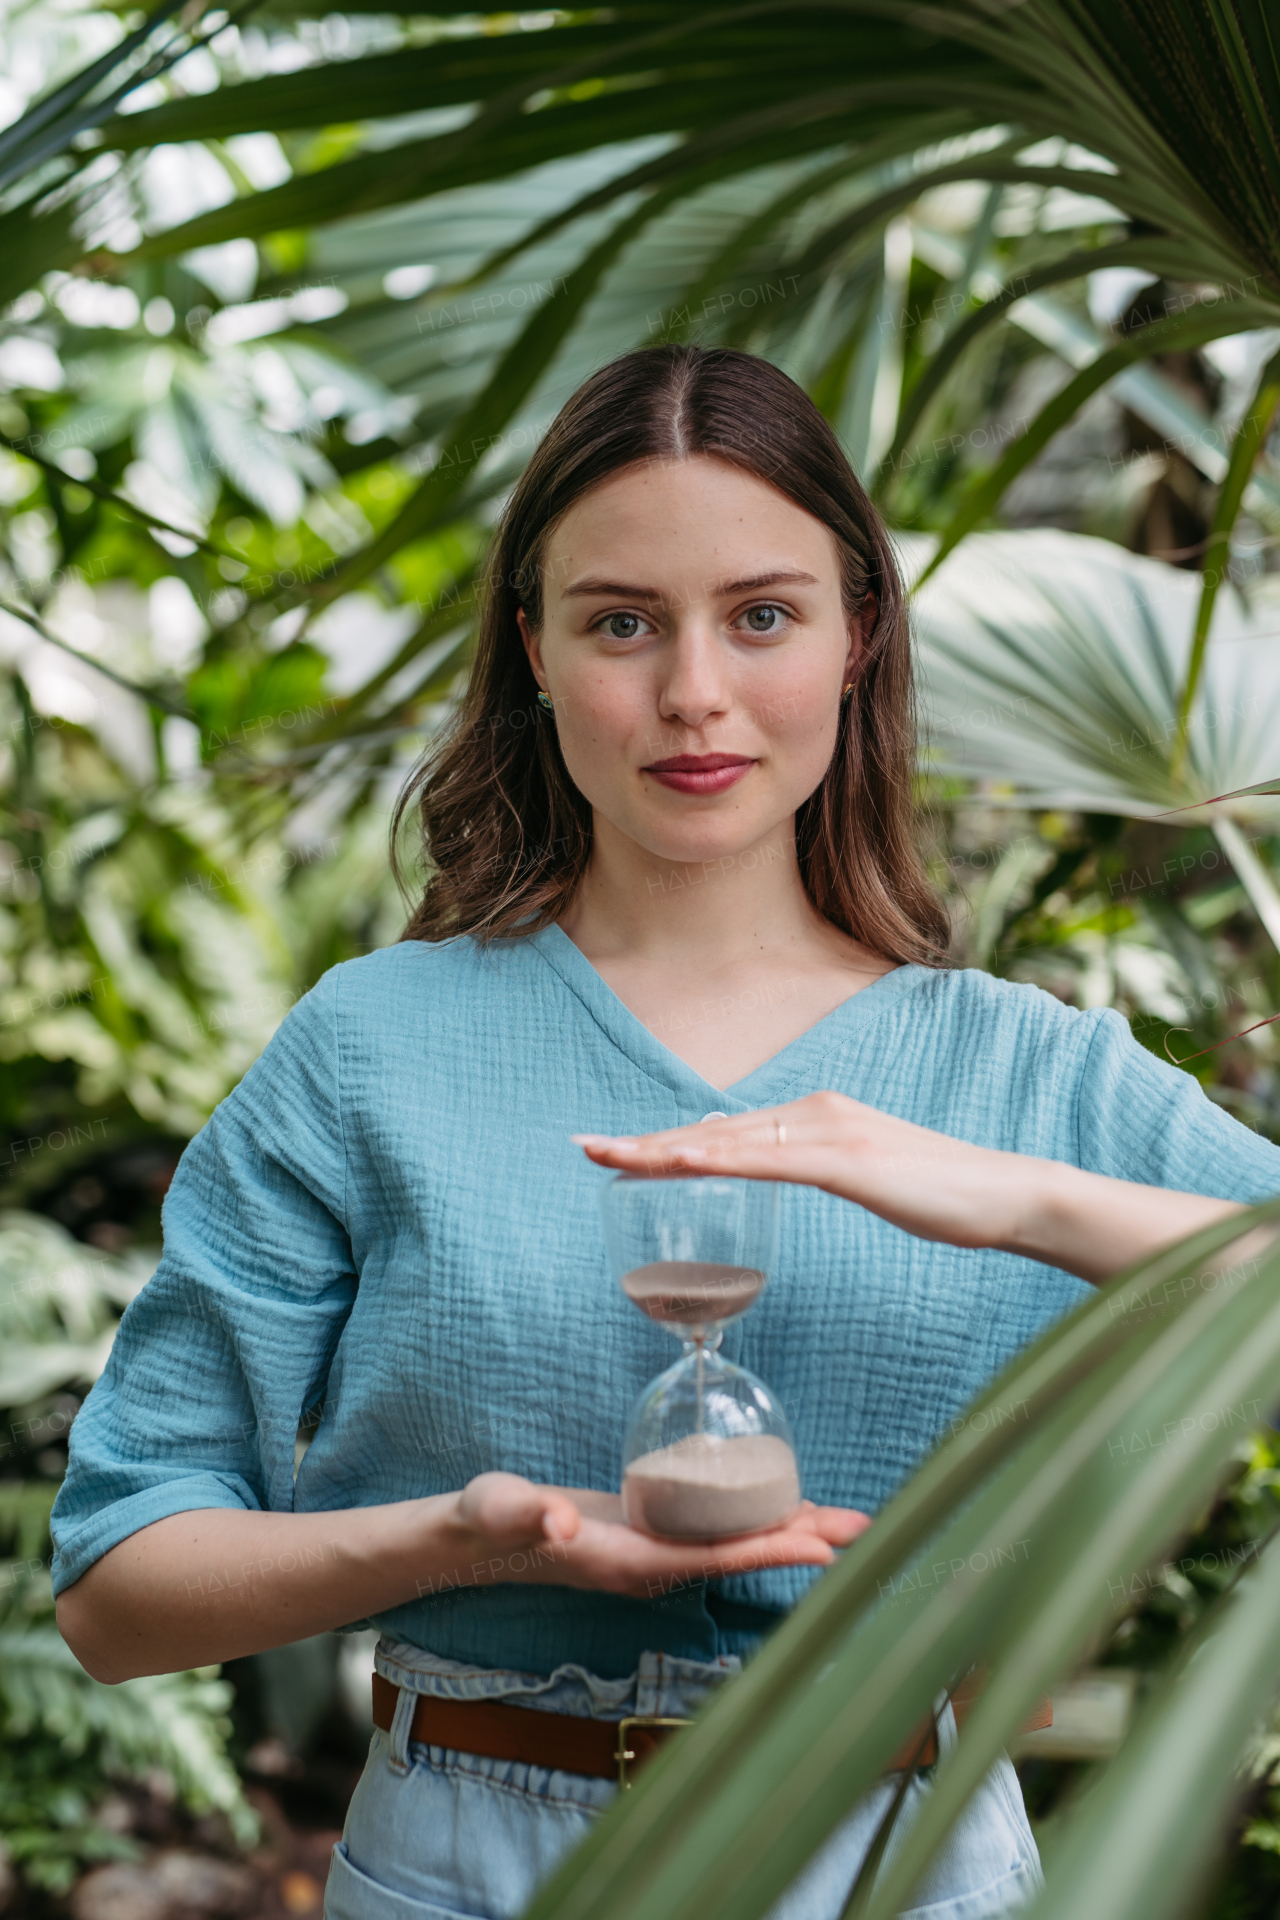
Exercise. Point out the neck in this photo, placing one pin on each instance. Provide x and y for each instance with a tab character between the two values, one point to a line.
691	912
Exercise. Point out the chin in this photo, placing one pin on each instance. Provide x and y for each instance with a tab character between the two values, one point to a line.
729	847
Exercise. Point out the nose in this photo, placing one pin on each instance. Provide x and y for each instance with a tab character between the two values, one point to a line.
695	683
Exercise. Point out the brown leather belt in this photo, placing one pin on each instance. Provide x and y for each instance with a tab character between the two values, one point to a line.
604	1748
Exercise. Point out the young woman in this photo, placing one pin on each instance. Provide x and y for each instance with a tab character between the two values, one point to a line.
674	898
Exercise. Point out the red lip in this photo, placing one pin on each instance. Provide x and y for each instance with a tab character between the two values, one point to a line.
700	772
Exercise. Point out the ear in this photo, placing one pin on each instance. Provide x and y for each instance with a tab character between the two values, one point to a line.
861	627
533	647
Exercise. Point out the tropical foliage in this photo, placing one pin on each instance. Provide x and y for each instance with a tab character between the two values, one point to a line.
480	214
1008	1547
289	301
66	1737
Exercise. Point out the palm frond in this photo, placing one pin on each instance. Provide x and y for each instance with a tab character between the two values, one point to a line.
1000	1549
1051	667
1182	331
1147	1831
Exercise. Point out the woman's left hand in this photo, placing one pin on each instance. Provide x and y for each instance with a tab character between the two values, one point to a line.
927	1183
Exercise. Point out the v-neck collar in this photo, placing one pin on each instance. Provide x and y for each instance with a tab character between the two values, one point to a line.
765	1085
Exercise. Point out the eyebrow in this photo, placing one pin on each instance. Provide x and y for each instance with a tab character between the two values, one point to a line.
617	589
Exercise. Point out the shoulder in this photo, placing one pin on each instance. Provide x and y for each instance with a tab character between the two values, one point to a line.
408	962
413	975
974	1007
1085	1084
389	993
999	1062
440	1011
424	1000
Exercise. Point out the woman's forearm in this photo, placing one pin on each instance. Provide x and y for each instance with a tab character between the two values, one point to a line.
930	1184
210	1585
1094	1226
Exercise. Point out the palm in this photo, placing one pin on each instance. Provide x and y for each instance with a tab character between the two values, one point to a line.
578	1538
609	1555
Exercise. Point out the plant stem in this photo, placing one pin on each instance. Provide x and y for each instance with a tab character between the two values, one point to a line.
1252	875
1250	438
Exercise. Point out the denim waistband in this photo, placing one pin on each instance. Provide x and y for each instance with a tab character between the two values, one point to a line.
661	1685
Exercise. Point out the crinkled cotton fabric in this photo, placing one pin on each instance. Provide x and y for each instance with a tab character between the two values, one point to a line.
386	1235
432	1834
386	1229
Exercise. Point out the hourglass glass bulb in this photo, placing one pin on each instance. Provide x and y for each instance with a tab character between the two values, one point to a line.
708	1452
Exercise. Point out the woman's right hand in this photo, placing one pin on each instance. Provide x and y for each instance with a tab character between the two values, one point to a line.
575	1537
215	1583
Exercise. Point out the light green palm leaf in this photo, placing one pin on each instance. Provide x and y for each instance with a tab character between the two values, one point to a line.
1050	666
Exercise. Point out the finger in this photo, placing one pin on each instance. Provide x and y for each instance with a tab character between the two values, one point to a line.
795	1543
805	1537
839	1525
720	1560
561	1518
758	1150
764	1126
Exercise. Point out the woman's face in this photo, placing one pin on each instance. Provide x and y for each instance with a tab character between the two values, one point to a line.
695	646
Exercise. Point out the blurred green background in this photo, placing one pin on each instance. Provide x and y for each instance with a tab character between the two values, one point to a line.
290	297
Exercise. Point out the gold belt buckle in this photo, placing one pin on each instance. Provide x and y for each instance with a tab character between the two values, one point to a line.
623	1753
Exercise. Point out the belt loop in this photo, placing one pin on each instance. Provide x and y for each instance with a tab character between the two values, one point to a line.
401	1728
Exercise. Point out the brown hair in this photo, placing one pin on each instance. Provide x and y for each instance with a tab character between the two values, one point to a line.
505	829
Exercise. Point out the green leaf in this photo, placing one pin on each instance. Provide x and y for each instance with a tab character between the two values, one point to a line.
21	136
110	497
1140	1840
1162	336
1158	256
411	80
32	245
746	121
481	426
1111	1514
740	1801
1250	438
1049	666
151	695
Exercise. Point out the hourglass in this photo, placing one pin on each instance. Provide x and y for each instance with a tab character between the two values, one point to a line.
707	1451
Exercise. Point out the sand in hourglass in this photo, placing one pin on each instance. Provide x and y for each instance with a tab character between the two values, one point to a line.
703	1487
692	1293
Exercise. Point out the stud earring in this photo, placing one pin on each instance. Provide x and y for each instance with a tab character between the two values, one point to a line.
545	700
845	692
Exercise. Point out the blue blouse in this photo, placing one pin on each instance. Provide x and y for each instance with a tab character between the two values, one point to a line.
387	1222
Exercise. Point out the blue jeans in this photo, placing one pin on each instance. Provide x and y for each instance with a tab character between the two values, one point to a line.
437	1835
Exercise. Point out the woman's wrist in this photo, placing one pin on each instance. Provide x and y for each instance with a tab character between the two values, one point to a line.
1094	1226
439	1543
450	1549
1045	1204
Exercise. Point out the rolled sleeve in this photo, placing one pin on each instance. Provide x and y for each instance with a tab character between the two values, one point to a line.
231	1341
1140	1119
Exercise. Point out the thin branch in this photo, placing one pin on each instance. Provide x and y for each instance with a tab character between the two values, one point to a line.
107	494
152	698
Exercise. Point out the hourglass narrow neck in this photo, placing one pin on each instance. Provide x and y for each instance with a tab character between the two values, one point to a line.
700	1340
